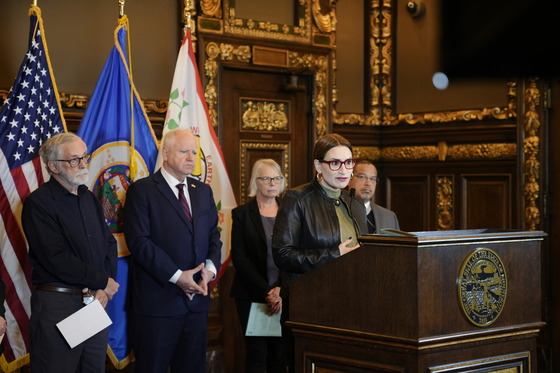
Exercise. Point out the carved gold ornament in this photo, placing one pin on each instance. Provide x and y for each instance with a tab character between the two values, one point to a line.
452	152
531	146
211	8
444	203
325	20
260	115
300	32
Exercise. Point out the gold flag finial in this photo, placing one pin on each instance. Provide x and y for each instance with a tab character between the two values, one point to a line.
121	8
187	13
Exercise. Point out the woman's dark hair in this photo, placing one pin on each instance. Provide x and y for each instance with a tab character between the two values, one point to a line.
327	142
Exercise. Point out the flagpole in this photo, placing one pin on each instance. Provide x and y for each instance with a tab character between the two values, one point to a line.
186	16
121	8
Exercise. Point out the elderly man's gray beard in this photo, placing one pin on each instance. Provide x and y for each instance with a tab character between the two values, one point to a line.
78	179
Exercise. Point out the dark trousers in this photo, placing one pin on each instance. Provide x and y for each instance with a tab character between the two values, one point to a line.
288	337
176	343
49	352
262	354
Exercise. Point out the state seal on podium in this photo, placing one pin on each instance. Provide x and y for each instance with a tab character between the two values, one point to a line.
482	286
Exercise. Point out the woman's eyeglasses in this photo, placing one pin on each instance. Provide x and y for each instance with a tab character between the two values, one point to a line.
336	164
268	179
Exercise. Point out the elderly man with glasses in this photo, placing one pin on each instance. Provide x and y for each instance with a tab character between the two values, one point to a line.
73	256
364	181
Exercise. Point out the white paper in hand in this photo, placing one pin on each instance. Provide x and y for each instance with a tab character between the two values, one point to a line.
262	325
84	323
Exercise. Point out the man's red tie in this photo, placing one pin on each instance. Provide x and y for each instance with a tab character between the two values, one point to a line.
183	201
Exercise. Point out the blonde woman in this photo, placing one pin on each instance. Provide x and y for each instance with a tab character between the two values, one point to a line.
257	277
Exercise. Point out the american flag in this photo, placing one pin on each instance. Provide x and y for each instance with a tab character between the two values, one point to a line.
30	115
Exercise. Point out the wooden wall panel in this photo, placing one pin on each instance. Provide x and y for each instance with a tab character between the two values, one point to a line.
429	197
486	201
409	197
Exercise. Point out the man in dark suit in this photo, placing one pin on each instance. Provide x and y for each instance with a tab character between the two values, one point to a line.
171	229
364	181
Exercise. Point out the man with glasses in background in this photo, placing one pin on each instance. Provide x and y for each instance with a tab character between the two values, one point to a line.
364	181
73	256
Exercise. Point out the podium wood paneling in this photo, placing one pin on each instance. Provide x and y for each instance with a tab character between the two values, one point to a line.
393	306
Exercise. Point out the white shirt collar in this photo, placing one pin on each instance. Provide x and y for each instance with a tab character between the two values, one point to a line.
172	182
368	206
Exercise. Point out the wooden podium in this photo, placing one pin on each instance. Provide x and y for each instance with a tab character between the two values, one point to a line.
446	301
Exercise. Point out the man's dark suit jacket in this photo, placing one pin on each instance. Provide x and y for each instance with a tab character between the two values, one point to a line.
384	218
162	240
248	254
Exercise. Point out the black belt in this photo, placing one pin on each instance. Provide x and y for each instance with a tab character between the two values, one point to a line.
59	289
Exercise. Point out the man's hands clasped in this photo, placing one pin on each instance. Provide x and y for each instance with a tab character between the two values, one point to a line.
187	283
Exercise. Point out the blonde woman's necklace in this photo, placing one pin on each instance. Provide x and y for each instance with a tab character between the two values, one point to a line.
268	224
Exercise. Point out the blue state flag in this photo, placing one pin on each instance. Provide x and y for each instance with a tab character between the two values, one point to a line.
123	149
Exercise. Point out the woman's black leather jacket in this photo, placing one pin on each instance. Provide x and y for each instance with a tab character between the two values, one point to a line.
306	232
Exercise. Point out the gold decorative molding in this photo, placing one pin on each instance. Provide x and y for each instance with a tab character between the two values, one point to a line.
531	148
452	152
73	101
300	32
155	106
316	64
319	65
373	117
81	101
482	151
367	152
225	53
211	8
381	106
261	115
409	153
444	202
325	19
507	112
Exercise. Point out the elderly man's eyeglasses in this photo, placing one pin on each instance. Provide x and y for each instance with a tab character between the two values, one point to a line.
363	178
74	162
273	180
336	164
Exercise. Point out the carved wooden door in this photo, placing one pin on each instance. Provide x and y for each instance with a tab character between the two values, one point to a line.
265	115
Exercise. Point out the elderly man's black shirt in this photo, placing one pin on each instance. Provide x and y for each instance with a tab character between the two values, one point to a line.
69	241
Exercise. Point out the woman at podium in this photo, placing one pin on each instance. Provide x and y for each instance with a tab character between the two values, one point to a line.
318	221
